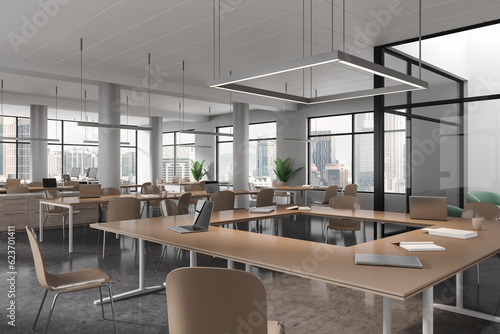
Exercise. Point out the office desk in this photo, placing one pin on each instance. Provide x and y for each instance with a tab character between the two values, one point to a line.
40	189
328	263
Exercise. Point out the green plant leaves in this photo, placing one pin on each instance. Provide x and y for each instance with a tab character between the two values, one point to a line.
197	170
283	171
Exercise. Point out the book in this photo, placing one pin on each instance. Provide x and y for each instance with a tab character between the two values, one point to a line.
453	233
150	196
296	207
421	246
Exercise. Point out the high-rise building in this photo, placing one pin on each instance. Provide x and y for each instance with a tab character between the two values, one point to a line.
265	157
335	174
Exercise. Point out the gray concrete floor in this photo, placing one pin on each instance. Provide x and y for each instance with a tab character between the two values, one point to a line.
304	306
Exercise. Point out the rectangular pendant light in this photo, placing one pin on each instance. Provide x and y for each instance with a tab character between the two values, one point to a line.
114	126
28	139
231	82
97	142
206	133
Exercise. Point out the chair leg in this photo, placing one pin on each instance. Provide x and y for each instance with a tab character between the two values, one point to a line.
102	304
103	243
52	310
39	310
477	267
83	223
164	249
64	220
326	235
112	306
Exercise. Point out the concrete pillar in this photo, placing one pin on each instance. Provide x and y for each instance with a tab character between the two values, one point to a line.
38	129
240	151
109	139
156	140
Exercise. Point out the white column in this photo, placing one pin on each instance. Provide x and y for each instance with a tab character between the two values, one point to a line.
240	151
38	129
109	139
156	139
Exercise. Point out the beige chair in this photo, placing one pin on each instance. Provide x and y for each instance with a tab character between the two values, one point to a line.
186	179
12	182
168	208
223	200
67	282
144	185
103	208
35	184
221	299
251	187
150	189
344	202
51	210
331	191
265	197
484	210
183	203
282	194
122	208
351	190
159	181
17	190
176	179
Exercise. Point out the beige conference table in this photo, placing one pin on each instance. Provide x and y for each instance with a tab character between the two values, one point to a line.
299	189
329	263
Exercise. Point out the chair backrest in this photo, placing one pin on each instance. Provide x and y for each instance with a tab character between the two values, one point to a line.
41	274
331	191
485	210
482	196
110	191
150	190
345	202
124	208
222	299
223	200
12	182
176	179
183	203
71	183
17	190
169	208
50	194
278	183
351	189
35	184
186	179
265	197
145	184
251	187
159	181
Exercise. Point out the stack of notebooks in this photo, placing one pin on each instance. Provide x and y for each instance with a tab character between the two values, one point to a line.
452	233
296	207
420	246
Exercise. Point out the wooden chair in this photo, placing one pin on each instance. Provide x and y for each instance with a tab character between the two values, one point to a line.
343	202
223	297
122	208
282	194
12	182
251	187
67	282
264	198
183	203
159	181
17	190
331	191
351	190
223	200
153	205
484	210
51	210
103	208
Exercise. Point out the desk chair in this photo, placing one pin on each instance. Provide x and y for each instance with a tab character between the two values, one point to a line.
17	190
220	298
176	179
150	189
251	187
264	198
167	208
351	190
123	208
343	202
67	282
35	184
103	208
12	182
485	210
331	191
51	210
159	181
223	200
183	203
186	179
282	193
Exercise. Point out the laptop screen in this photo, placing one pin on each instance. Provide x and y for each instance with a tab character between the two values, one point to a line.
203	213
75	172
212	186
49	183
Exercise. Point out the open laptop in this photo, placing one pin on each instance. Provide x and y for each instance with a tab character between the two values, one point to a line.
388	260
90	191
211	187
49	183
428	207
201	221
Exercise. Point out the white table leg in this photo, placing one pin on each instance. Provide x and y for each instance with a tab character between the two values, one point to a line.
193	262
40	232
460	290
230	264
427	311
248	268
387	317
142	289
70	228
379	230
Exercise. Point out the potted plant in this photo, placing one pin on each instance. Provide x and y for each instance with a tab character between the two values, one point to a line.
283	171
197	170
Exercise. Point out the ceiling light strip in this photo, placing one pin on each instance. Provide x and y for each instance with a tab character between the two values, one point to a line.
28	139
114	126
206	133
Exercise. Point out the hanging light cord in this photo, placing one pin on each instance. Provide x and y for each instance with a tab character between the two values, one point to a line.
183	100
2	97
81	79
420	39
149	85
343	25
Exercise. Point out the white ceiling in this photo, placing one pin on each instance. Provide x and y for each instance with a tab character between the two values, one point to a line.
40	45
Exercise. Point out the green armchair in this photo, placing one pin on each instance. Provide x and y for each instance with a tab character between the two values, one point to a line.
454	211
483	196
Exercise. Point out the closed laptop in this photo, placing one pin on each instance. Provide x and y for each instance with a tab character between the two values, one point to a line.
428	207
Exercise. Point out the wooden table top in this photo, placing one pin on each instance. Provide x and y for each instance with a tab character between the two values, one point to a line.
40	189
330	263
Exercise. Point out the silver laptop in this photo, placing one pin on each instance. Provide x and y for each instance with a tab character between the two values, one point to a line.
201	221
388	260
263	209
428	207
